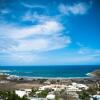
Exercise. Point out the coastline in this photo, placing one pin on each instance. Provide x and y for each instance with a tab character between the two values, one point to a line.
14	83
9	73
50	72
89	76
28	77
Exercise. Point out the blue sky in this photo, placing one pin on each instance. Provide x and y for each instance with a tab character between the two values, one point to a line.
49	32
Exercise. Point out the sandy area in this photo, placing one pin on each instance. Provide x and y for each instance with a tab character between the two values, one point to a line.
26	85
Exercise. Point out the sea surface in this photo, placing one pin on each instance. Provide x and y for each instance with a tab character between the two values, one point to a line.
49	71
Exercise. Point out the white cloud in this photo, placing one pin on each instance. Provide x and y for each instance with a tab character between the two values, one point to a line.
46	28
5	11
43	44
82	56
42	37
83	50
19	58
76	9
34	16
77	60
32	5
23	58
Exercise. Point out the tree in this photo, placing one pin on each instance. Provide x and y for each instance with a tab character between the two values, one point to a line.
43	93
11	95
32	93
84	95
24	98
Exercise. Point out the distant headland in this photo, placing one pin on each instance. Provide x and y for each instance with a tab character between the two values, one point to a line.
95	73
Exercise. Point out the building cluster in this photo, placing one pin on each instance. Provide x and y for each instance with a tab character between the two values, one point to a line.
70	89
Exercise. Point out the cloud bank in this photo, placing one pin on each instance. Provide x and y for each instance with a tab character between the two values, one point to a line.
41	37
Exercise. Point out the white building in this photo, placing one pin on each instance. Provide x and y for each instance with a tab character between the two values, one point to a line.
20	93
23	92
97	97
50	97
71	88
54	87
80	86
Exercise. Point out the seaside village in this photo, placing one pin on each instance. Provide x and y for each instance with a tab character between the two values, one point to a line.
51	89
55	89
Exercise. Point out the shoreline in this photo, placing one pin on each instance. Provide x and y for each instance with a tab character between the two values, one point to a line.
89	76
14	83
26	77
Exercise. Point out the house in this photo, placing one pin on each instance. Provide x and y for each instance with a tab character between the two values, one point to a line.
96	97
50	97
22	92
80	86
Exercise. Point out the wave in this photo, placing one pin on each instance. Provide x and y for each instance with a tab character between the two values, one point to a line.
4	71
44	77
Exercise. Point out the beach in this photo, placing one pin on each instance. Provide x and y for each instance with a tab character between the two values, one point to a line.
44	88
13	83
28	77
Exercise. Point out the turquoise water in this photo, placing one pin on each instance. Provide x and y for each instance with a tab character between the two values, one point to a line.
48	71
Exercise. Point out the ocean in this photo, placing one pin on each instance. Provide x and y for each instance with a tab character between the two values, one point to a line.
49	71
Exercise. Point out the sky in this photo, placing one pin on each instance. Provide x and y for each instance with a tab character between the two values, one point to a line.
49	32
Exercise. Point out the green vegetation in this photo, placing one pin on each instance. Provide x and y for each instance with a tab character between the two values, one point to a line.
41	81
7	95
32	93
62	95
43	93
85	94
